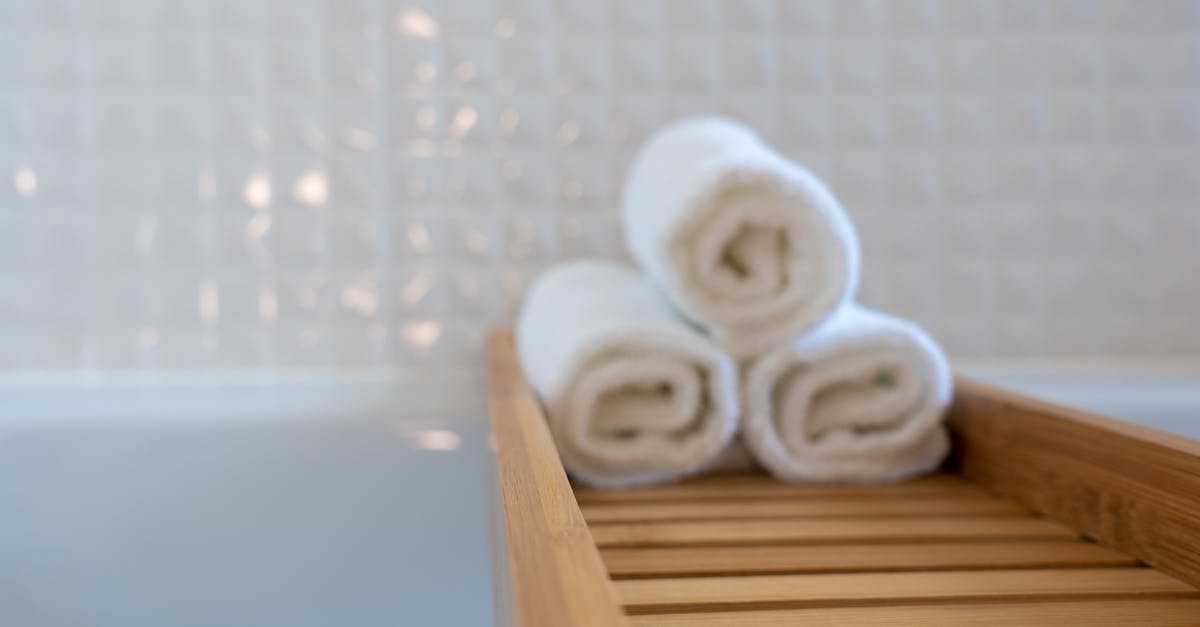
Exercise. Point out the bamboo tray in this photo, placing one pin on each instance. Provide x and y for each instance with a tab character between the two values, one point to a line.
1044	515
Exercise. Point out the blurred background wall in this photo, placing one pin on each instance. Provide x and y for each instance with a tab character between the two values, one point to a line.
362	183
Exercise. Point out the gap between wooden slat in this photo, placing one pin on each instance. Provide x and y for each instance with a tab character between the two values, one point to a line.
827	530
759	560
920	507
1088	613
649	596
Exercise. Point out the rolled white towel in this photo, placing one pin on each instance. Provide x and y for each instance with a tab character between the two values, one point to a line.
632	394
860	399
750	245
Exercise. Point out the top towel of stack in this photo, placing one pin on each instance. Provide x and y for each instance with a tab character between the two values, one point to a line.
748	244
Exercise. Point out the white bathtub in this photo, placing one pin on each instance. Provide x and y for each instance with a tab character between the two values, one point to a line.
315	501
1162	396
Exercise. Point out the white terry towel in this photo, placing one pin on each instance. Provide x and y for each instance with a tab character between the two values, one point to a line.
860	399
752	246
632	394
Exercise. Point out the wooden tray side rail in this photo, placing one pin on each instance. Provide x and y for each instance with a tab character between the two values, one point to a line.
557	576
1126	486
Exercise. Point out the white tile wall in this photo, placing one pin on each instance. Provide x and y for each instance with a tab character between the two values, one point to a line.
365	182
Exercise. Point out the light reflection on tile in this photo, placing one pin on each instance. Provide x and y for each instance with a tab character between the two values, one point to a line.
361	295
506	27
418	238
25	181
206	184
257	191
312	188
415	22
417	288
464	120
209	302
568	132
268	305
421	334
255	232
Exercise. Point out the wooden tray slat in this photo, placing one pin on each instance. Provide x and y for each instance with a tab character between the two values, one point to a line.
759	486
917	507
750	560
645	596
827	530
1088	613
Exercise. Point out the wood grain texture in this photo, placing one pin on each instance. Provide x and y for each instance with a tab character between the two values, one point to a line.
826	531
1089	613
648	596
745	550
760	560
917	507
557	575
760	486
1127	486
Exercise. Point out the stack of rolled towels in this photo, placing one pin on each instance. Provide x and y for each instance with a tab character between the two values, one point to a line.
739	330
